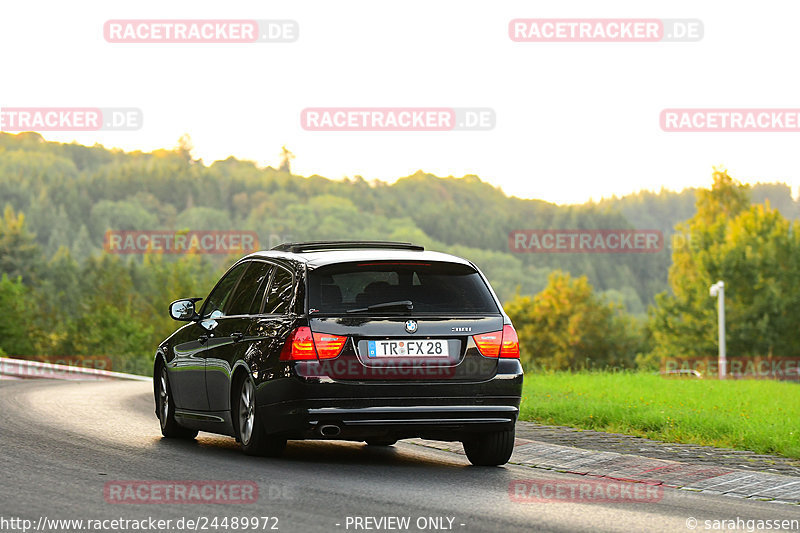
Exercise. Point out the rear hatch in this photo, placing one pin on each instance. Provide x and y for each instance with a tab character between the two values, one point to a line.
402	320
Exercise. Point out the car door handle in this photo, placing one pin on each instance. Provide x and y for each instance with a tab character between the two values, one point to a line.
202	339
237	336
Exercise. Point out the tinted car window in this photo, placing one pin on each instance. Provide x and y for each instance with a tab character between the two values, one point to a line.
221	294
263	284
246	291
440	288
280	292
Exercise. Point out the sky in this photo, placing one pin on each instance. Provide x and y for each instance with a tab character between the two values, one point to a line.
574	120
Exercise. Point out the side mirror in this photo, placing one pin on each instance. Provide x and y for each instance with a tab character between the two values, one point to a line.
183	310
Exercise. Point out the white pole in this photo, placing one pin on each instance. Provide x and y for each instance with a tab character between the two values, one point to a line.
718	290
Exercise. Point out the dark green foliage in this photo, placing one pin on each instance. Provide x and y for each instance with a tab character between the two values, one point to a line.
63	295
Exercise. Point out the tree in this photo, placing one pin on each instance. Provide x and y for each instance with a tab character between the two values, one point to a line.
16	309
286	160
82	246
119	216
185	148
19	254
112	319
756	251
566	326
57	299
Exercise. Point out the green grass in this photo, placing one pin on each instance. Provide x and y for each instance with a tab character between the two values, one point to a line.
758	415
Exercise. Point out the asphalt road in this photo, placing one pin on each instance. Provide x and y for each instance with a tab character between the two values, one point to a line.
61	442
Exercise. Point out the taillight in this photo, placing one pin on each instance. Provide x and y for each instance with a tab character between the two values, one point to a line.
510	347
302	345
489	343
329	346
299	346
498	343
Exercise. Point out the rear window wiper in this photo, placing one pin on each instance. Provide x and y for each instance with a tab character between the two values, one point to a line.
405	304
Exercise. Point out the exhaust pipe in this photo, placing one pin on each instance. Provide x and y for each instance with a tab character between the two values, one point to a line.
330	430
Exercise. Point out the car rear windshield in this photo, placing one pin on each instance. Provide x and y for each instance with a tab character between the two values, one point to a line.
388	287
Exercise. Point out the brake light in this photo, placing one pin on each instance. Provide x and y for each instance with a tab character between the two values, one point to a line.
489	343
510	347
329	346
302	345
498	343
299	346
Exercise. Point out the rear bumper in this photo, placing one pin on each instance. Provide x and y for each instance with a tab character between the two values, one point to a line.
437	410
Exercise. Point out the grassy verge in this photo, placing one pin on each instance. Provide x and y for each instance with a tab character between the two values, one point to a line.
762	416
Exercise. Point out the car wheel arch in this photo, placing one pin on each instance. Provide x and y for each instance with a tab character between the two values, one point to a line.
158	363
239	374
159	360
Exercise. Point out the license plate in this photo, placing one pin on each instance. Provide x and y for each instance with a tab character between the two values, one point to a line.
408	348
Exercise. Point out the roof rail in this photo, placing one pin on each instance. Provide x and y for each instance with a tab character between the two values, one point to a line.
315	246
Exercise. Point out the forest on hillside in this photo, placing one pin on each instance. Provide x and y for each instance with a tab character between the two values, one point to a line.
71	194
59	200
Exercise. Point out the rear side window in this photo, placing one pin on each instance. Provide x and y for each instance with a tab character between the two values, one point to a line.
263	284
437	288
279	294
246	291
220	296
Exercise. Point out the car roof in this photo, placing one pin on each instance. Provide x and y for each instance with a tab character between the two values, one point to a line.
318	258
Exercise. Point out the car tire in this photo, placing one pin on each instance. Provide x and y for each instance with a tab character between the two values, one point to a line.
249	427
166	409
490	449
381	442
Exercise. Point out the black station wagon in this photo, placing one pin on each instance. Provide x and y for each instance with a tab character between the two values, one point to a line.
359	341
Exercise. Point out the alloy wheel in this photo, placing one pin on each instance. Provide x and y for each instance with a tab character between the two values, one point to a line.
246	412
